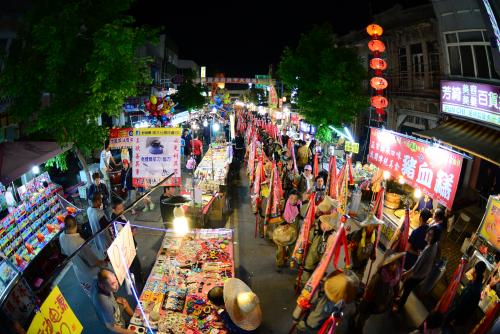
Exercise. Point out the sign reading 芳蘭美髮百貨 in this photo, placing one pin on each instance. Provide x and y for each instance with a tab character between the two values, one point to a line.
480	102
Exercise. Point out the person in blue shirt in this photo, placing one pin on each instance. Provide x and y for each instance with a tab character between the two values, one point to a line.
416	242
424	203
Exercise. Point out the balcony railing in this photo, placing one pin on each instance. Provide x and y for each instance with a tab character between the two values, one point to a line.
425	84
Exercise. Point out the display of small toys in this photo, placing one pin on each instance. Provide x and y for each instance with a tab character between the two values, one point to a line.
36	220
174	298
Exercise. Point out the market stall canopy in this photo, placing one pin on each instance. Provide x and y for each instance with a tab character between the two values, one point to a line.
480	141
17	158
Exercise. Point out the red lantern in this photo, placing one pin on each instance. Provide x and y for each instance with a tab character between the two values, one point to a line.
376	45
378	83
378	64
374	30
379	102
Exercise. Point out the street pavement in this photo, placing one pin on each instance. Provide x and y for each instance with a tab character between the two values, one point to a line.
254	263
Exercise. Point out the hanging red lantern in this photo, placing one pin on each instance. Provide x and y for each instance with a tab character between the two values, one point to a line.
378	83
376	45
379	102
378	64
374	30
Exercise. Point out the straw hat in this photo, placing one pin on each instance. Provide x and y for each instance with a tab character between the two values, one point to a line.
284	235
371	220
331	220
242	304
327	204
391	258
341	285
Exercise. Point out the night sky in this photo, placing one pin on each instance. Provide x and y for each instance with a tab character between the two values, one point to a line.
243	38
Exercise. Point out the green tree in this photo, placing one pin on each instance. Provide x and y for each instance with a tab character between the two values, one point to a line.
82	55
189	96
327	78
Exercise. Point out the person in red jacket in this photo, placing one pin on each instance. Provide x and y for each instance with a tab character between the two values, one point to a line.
197	149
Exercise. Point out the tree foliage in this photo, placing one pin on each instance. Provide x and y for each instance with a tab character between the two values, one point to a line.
189	96
83	56
327	78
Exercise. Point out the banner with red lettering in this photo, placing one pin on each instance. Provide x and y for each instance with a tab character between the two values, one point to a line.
432	169
121	138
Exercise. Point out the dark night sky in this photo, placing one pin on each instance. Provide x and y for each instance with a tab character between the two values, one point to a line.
244	37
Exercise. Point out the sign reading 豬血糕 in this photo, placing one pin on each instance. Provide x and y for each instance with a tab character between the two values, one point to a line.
121	138
472	100
156	154
433	170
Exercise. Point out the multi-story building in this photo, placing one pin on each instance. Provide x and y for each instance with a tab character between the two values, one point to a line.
414	67
469	36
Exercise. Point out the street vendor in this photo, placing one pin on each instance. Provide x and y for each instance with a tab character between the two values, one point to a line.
338	287
324	226
362	244
239	308
424	203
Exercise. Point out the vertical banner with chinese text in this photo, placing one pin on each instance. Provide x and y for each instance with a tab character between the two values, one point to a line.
122	249
55	316
156	154
433	170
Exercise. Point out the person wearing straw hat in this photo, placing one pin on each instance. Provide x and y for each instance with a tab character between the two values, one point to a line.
318	238
379	293
285	234
239	307
339	286
362	244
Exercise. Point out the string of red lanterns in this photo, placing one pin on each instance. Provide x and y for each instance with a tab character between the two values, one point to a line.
378	65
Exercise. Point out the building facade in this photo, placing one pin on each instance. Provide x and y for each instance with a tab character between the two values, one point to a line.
470	88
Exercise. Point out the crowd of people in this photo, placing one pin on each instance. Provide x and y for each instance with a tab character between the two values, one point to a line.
391	282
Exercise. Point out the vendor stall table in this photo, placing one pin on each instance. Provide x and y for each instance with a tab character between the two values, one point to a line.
187	267
212	179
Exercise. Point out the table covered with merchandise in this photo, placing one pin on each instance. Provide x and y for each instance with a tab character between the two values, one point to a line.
211	174
187	267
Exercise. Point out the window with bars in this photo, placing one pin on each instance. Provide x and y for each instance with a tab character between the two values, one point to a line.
469	54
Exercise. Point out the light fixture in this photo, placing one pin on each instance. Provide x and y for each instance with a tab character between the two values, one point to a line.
216	127
386	174
35	170
205	122
348	133
417	194
401	180
180	223
214	110
338	132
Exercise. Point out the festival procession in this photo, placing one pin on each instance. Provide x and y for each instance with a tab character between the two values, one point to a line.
346	182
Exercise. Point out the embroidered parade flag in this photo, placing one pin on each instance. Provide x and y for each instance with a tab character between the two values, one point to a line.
333	186
315	165
334	245
300	251
446	299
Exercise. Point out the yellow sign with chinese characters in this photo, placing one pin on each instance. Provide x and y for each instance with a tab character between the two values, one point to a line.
351	147
55	316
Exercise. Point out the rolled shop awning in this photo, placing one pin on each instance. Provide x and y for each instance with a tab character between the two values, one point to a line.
19	157
471	138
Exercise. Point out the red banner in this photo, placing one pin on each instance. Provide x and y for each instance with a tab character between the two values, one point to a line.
433	170
121	138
